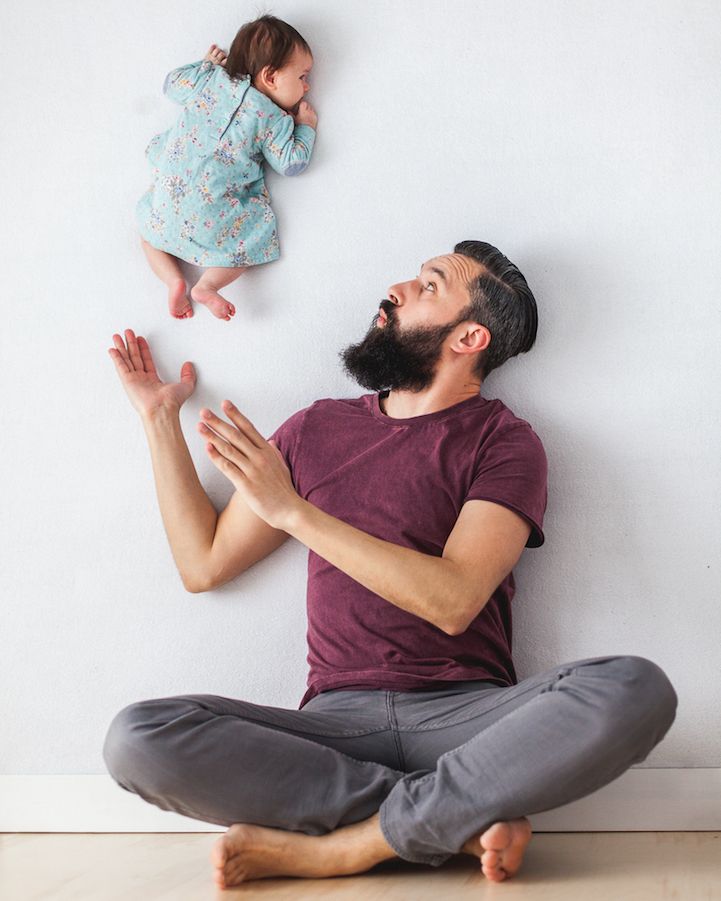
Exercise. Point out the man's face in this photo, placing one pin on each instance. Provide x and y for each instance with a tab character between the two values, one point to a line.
405	343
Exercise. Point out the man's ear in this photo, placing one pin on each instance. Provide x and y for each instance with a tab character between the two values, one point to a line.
473	339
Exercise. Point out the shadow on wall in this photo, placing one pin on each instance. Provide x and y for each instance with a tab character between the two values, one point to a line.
592	577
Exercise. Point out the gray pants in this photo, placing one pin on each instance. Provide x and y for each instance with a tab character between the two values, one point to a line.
438	765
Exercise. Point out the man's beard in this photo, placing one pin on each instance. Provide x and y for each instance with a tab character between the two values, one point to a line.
393	360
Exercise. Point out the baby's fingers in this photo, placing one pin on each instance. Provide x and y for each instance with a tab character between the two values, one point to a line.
216	55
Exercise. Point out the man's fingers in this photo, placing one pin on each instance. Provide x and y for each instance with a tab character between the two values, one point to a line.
243	423
214	425
225	448
229	469
120	364
146	356
187	373
122	350
133	350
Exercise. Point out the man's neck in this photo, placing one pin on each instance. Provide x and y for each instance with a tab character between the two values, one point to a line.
405	404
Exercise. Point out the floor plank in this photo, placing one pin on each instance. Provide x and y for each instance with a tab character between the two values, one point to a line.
637	866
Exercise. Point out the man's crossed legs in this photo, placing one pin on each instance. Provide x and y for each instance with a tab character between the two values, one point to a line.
357	777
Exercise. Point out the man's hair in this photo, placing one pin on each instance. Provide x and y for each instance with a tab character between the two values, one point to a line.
502	301
266	41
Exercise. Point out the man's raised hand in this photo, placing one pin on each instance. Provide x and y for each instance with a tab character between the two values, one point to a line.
147	393
254	466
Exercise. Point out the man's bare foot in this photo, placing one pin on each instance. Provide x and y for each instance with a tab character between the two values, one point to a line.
256	852
500	848
215	302
178	304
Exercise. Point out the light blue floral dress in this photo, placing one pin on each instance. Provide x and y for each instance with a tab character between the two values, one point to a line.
208	203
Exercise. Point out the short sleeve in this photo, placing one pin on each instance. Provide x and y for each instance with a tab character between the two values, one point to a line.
512	471
286	146
287	439
183	83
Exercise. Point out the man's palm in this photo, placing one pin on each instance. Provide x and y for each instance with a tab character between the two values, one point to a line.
134	364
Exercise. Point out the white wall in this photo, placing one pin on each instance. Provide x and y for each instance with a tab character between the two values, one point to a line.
580	137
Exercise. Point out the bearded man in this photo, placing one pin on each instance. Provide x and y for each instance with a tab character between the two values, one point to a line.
414	738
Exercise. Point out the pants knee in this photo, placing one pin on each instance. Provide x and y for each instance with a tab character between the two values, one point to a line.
646	692
134	750
120	749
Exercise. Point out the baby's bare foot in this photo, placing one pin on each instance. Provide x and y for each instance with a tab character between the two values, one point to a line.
500	848
215	302
178	304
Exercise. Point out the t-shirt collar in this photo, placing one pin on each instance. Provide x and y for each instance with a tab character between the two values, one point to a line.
375	407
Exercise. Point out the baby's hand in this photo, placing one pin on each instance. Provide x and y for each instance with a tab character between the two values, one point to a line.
306	115
216	55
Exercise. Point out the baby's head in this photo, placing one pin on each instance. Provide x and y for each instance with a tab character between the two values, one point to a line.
277	59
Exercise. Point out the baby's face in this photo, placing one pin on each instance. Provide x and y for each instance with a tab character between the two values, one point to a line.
288	86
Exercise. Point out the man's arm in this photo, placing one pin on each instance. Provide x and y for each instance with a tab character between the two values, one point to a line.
208	548
447	591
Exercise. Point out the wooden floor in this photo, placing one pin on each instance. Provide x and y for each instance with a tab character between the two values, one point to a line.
608	866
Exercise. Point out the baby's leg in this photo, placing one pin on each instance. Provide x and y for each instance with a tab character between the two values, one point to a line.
206	289
167	268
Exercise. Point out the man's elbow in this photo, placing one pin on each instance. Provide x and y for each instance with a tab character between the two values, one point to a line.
196	584
200	582
462	619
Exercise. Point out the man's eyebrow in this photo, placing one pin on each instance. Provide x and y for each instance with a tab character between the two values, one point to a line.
439	272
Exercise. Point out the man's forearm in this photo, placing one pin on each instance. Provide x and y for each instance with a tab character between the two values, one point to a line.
432	588
188	515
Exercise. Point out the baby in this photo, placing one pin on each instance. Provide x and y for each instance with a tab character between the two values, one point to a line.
208	204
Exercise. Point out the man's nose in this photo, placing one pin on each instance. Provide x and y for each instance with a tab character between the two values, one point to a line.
395	294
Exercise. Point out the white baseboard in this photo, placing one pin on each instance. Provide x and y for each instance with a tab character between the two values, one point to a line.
661	799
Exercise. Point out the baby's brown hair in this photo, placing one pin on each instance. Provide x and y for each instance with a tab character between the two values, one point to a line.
266	41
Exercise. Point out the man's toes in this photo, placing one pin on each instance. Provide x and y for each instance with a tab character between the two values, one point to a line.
497	837
490	858
234	874
494	874
218	855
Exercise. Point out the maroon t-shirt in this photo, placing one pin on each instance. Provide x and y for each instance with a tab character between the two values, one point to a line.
405	481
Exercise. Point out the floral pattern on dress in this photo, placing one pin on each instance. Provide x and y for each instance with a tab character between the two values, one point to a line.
224	154
208	203
189	226
177	188
156	222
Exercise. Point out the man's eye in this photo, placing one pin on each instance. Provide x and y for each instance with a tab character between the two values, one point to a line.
430	286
